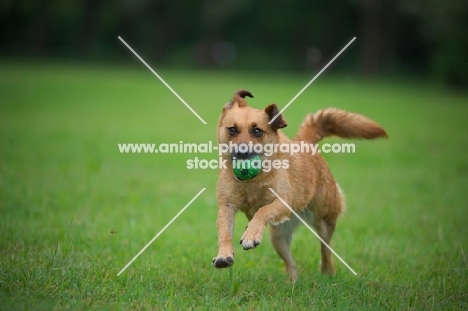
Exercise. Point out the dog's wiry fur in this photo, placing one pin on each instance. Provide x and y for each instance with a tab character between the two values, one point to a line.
307	185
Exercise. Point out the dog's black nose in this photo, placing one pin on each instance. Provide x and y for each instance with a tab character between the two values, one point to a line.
243	152
243	155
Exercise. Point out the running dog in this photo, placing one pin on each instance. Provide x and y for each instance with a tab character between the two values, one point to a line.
307	185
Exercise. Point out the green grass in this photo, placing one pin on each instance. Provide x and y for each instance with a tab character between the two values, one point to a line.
74	211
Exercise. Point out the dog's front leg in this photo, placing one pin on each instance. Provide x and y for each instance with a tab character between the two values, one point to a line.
274	213
225	257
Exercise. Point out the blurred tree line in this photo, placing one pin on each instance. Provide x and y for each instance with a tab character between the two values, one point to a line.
425	37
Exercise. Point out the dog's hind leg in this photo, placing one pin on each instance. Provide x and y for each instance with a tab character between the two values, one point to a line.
327	210
281	237
325	228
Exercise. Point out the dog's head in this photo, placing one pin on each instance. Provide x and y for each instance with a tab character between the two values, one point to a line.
241	124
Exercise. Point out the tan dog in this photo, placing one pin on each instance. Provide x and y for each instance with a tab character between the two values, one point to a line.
307	185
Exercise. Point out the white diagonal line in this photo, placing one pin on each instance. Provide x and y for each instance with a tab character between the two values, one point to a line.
162	230
315	233
164	82
316	76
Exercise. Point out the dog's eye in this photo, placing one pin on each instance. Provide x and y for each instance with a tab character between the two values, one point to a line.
232	130
257	132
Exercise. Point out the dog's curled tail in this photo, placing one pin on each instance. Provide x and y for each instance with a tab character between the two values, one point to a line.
336	122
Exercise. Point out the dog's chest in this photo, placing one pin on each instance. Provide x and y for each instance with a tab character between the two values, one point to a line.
253	197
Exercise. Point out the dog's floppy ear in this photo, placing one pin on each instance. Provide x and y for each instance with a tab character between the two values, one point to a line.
279	122
238	99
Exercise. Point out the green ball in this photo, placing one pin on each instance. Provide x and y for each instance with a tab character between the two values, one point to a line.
247	169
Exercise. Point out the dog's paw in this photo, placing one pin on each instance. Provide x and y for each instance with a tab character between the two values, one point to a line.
222	261
250	239
249	244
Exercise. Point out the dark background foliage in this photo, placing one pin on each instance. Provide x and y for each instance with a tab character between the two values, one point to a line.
393	37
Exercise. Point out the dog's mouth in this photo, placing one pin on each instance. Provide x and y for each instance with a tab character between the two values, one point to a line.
238	178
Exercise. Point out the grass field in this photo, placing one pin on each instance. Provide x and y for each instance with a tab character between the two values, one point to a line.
74	210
